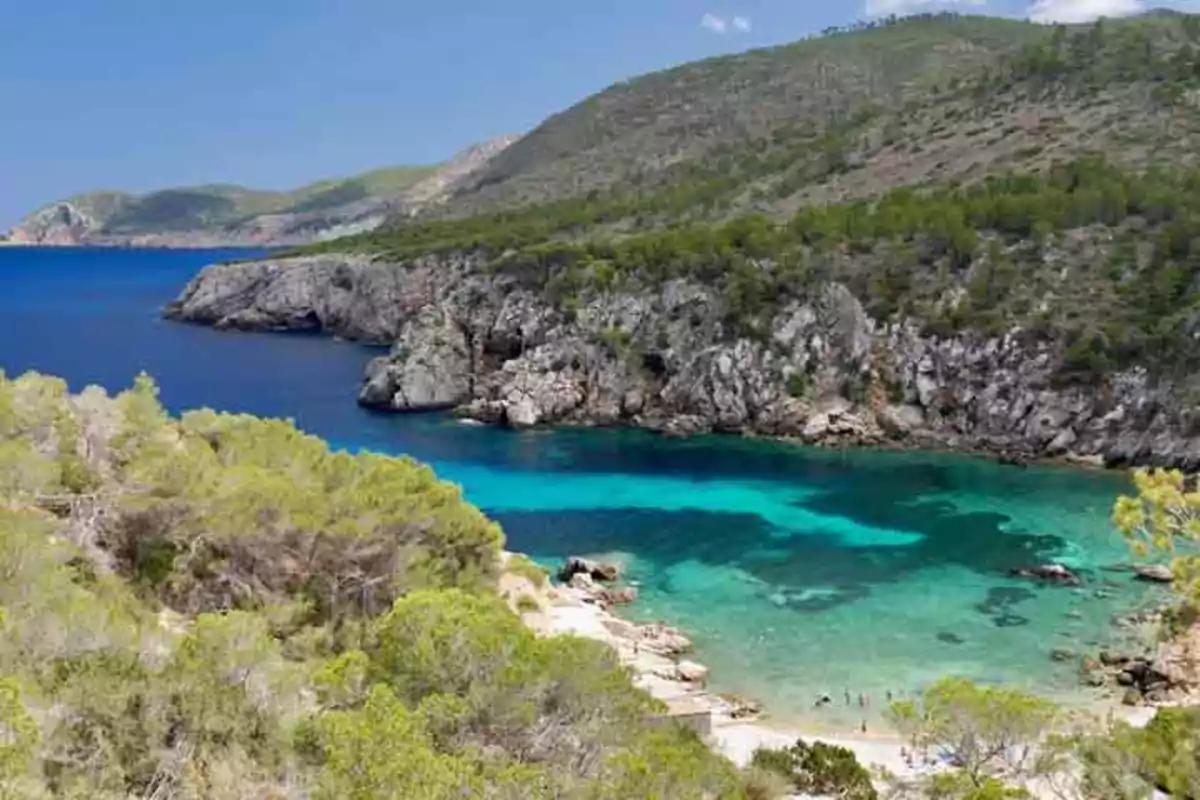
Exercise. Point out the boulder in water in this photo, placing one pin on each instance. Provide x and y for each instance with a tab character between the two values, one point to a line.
597	570
1052	573
1154	573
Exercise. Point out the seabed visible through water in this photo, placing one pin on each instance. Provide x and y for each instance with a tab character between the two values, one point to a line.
796	571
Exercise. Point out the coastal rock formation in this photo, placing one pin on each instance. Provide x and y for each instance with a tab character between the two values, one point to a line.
662	357
594	570
1154	573
63	223
1052	573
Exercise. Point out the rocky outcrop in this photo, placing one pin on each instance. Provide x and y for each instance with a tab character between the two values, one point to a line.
662	357
1051	573
595	570
63	224
1154	573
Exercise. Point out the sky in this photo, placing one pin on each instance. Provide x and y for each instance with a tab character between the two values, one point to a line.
145	94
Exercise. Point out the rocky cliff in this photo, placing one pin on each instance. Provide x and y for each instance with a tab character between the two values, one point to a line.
482	342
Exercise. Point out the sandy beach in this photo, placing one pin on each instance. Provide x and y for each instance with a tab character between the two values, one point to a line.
649	652
657	657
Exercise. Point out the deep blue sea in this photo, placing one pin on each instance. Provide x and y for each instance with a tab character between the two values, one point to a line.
796	570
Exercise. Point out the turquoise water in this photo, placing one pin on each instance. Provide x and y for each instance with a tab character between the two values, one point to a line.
796	571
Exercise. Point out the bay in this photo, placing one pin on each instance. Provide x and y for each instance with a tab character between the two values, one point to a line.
797	571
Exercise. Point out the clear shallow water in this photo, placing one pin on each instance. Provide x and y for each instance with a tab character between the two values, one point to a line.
796	571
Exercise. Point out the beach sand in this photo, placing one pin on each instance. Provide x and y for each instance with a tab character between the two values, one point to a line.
570	611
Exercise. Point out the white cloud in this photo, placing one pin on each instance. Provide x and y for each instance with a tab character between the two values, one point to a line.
714	23
1082	10
719	24
884	8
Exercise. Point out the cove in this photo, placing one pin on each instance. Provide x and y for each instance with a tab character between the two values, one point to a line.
796	571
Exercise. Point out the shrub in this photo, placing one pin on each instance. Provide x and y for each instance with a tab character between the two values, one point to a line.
798	385
818	768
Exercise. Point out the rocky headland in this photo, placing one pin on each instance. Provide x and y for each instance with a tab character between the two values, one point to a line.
494	348
233	216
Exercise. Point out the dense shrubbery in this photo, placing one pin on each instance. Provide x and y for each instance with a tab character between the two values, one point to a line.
907	253
219	607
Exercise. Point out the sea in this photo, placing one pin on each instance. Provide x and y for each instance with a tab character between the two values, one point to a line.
798	572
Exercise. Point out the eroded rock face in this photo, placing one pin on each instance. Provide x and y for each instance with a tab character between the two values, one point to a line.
61	223
824	372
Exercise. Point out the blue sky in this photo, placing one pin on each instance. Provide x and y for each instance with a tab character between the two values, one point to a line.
142	94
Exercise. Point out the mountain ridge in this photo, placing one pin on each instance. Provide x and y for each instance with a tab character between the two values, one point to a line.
222	214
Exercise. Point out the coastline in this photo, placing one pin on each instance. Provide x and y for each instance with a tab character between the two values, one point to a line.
658	657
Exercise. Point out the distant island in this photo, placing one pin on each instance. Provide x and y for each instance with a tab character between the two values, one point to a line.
221	215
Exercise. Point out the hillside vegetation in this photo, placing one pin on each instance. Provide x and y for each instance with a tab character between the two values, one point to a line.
217	606
191	207
861	110
966	172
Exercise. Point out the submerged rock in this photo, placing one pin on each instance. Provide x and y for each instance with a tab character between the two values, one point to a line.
1154	573
1052	573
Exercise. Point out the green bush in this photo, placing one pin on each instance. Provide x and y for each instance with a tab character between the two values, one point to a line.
1169	750
288	681
819	768
798	385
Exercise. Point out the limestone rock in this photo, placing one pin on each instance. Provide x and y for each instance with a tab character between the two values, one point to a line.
662	639
429	368
618	597
595	570
692	672
1053	573
1154	573
662	357
581	580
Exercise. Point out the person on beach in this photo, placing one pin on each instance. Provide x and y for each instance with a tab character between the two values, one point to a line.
862	702
864	726
847	697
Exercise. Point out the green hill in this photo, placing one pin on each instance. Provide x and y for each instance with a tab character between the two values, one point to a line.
936	165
